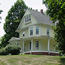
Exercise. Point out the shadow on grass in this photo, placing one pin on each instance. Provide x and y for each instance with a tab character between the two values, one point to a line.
62	61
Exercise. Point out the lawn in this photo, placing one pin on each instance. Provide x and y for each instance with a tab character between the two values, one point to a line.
32	60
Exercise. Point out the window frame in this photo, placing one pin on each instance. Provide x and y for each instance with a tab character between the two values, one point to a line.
31	29
27	18
37	30
37	45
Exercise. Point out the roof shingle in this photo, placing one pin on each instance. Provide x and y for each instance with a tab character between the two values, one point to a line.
41	18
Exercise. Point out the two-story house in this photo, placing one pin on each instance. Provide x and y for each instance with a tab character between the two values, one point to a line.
36	35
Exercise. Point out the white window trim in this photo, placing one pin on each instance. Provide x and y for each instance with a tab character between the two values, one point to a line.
38	30
36	45
30	28
48	29
27	21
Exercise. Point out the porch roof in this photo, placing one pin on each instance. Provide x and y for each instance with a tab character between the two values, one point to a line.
36	37
14	38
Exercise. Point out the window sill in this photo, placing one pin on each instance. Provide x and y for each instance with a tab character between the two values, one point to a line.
28	22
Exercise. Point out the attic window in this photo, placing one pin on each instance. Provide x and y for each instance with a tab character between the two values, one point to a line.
27	18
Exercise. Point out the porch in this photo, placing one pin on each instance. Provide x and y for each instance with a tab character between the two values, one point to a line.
43	45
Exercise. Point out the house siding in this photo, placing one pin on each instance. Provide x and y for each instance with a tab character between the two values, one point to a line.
25	25
42	31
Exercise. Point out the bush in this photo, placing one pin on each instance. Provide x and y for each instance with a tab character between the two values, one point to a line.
13	49
3	51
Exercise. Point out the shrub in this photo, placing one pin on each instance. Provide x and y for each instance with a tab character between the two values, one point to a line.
3	51
13	49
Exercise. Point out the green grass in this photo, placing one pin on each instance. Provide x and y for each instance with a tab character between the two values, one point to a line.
32	60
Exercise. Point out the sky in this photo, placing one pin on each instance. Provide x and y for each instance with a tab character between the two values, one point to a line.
5	5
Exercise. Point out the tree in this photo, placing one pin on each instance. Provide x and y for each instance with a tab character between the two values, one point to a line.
4	40
14	16
56	11
12	21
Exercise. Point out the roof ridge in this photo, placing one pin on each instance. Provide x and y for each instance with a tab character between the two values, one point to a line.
36	11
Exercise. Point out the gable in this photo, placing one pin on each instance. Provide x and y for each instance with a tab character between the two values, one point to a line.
40	17
36	18
24	24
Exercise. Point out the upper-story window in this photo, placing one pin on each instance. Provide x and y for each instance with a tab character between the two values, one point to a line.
37	30
27	18
48	31
31	31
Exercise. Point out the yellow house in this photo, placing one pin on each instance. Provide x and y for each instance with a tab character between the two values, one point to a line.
36	35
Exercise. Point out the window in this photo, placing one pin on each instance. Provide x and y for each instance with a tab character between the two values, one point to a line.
23	34
37	30
28	18
47	31
31	31
37	44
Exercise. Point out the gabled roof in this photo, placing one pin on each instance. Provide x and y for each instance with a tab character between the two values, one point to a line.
14	38
41	18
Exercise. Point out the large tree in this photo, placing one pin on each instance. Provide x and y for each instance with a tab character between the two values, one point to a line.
12	21
14	17
56	11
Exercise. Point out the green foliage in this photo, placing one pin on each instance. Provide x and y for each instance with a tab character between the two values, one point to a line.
56	8
4	40
10	49
13	49
3	51
60	37
56	11
12	21
14	17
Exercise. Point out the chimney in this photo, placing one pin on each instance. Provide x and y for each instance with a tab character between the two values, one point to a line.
41	11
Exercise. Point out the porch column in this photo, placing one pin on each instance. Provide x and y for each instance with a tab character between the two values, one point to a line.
23	46
48	44
31	45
